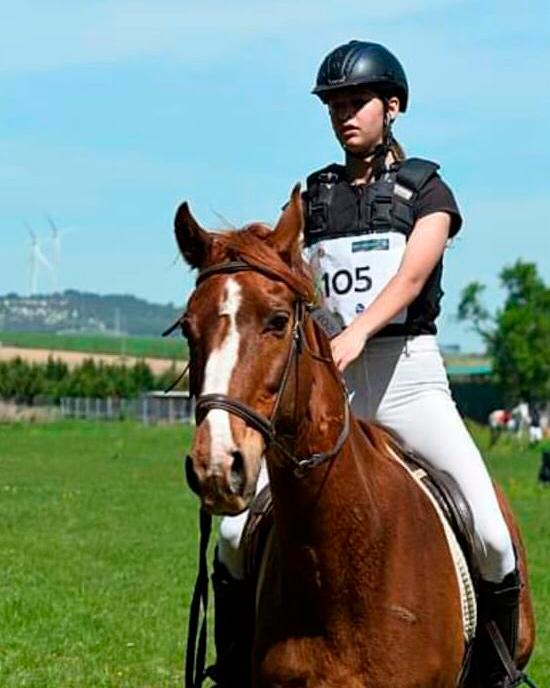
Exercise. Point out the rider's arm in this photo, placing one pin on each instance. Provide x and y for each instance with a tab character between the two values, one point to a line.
424	249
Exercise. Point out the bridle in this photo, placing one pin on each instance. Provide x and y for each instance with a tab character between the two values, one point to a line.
266	426
196	640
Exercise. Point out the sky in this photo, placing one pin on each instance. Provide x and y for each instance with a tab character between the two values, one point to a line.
115	111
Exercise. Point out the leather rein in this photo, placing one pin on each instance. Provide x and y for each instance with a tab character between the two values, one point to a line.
266	426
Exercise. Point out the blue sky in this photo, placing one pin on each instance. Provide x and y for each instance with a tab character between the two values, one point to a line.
114	111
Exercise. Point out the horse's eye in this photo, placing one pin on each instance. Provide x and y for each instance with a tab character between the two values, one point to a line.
277	322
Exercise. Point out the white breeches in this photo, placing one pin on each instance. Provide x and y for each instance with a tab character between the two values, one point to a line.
402	384
230	551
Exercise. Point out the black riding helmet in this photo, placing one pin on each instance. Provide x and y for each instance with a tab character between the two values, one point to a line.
360	63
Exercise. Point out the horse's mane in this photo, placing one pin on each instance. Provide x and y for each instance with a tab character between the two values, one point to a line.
381	438
248	244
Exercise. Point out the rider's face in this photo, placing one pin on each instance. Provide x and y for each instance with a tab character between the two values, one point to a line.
357	118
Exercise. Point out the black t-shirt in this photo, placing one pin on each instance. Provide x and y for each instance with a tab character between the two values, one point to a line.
437	196
341	219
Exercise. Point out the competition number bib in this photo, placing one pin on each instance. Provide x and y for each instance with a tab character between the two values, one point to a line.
352	271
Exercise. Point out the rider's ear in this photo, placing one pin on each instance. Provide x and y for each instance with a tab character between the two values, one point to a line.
193	241
285	238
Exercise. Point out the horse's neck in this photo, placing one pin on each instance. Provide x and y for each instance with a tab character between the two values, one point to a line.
326	512
302	499
313	512
328	535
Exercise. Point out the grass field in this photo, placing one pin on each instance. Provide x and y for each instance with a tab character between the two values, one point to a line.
98	548
152	347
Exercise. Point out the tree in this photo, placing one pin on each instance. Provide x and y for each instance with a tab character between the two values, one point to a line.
517	336
21	381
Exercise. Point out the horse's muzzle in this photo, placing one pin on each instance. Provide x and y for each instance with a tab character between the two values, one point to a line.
221	491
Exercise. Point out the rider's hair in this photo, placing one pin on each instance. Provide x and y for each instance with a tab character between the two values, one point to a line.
393	145
397	150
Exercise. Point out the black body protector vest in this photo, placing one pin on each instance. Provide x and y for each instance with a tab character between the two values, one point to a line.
355	237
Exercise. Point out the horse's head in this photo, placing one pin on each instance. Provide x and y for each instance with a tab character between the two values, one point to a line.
239	325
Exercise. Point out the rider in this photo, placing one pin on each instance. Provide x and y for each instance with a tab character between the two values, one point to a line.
376	229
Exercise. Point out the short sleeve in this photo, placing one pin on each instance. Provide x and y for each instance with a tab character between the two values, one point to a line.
435	197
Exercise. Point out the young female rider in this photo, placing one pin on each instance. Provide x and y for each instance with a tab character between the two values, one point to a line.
375	232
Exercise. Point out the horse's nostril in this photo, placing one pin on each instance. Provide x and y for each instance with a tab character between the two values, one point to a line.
191	476
237	477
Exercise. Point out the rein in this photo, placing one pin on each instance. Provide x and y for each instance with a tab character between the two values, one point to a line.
207	402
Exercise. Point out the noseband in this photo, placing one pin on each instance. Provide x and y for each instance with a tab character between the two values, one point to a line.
207	402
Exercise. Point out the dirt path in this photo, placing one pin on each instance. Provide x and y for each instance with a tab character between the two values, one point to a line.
76	358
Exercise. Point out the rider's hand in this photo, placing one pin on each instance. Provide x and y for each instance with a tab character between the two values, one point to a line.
347	346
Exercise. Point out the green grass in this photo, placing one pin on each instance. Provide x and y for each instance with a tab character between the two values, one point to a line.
155	347
516	467
98	547
98	554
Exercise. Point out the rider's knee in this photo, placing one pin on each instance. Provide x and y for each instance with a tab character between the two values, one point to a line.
229	551
498	558
499	540
231	528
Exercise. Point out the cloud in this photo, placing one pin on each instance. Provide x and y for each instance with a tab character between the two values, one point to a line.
38	35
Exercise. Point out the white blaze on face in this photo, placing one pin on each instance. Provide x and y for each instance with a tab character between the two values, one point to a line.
218	371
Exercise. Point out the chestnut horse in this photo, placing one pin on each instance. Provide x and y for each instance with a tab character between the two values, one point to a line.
359	588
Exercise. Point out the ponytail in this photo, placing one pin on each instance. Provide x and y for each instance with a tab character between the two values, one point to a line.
396	149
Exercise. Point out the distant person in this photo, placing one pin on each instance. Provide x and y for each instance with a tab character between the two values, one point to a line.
535	429
520	415
500	420
376	229
544	473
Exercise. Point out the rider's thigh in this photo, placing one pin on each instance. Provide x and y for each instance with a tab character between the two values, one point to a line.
429	423
356	379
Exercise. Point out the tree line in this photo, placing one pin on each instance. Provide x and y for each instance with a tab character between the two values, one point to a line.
27	382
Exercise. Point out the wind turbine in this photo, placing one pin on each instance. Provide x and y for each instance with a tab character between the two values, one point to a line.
36	258
56	241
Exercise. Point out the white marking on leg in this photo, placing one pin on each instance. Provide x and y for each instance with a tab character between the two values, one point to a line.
217	374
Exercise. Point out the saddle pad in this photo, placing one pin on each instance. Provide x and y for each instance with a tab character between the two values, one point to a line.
464	579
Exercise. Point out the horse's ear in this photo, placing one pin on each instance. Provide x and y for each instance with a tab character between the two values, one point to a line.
285	238
193	241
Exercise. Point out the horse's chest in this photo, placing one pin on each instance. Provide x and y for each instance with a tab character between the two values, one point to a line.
306	663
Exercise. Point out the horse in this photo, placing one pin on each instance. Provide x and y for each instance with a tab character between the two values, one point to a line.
358	587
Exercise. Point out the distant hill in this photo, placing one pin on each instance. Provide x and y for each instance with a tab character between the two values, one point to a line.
74	311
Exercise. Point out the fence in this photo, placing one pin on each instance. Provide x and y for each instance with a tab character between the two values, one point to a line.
476	399
149	408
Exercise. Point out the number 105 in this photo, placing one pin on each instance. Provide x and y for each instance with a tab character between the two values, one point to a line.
343	281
